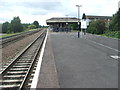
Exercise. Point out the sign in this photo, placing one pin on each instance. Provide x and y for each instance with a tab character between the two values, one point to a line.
83	24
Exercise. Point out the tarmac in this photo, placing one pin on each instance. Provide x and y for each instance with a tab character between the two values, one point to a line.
71	62
48	77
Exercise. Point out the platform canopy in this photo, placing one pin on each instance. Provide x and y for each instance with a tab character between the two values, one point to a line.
61	23
61	20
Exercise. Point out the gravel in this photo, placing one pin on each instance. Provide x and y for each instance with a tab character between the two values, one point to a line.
13	49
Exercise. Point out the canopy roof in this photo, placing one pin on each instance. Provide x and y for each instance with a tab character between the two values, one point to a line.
62	20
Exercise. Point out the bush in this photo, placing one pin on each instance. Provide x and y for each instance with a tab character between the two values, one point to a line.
31	26
113	34
97	27
5	27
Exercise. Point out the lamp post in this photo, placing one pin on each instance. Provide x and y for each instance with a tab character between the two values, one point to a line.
66	23
79	19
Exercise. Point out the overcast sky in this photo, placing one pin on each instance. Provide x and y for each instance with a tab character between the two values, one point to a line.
40	10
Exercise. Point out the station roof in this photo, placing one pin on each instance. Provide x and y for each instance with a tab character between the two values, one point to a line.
73	19
62	20
100	17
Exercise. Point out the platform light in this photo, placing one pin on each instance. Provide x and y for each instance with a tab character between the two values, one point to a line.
79	19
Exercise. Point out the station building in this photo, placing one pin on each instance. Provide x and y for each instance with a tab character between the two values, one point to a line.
61	24
106	19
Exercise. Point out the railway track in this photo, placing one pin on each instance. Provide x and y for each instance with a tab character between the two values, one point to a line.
10	39
19	73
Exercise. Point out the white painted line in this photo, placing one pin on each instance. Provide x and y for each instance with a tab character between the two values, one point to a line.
115	57
36	75
104	46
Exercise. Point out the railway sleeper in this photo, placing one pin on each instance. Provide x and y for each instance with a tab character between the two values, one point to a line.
10	81
18	69
23	61
1	69
20	66
17	64
7	87
4	66
16	73
31	52
23	75
13	77
24	58
27	55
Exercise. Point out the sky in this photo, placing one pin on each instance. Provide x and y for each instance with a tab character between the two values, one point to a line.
41	10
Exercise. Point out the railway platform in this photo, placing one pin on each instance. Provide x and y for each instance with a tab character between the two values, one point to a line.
48	77
71	62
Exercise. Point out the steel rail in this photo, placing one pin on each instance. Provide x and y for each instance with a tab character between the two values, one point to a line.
12	38
22	86
18	56
26	78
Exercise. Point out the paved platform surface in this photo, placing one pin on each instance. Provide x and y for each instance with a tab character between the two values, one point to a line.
85	63
71	62
48	77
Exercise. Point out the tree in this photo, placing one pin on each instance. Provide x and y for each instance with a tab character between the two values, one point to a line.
97	27
100	26
115	22
84	16
32	26
36	24
119	20
25	25
16	25
74	26
91	28
5	27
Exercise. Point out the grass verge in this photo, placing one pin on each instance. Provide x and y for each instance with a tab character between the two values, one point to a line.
112	34
6	35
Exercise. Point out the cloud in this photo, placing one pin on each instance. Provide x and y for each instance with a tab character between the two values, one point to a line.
42	8
43	5
34	8
4	19
30	10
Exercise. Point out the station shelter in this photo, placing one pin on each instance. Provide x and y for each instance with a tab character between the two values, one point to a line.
61	24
